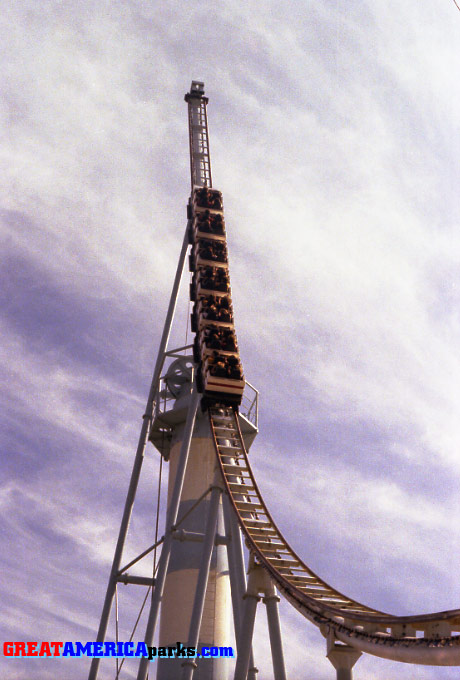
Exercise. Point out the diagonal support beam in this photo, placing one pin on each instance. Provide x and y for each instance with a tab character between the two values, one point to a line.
173	511
203	575
138	460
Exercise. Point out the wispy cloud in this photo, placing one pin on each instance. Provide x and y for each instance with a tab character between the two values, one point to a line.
334	138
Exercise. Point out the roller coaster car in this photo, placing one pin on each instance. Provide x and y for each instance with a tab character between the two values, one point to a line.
216	338
207	198
223	382
209	252
209	225
210	281
213	310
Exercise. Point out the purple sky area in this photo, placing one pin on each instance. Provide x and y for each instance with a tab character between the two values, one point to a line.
335	141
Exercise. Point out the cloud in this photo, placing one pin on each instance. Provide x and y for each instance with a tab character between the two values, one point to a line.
334	138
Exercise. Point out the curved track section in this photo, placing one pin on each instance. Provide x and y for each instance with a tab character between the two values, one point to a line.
425	639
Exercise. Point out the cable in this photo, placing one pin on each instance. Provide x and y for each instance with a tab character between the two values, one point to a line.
134	630
456	5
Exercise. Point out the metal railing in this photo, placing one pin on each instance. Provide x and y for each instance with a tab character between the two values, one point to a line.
250	404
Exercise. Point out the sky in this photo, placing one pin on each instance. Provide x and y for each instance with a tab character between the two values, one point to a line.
334	136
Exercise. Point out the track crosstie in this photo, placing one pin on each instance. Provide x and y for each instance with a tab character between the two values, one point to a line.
367	629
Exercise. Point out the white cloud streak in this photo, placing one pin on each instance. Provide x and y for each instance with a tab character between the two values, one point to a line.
334	138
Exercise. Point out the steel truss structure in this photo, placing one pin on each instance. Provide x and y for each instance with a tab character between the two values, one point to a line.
350	628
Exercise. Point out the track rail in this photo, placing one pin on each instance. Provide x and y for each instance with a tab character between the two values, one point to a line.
365	628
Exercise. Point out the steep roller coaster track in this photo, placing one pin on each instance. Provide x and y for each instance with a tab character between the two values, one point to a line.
424	639
366	629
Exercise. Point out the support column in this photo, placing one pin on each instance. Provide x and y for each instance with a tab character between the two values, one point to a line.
342	657
274	630
178	599
237	595
246	633
237	577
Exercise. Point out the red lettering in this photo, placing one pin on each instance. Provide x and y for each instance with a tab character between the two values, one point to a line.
45	649
19	648
56	646
8	648
32	649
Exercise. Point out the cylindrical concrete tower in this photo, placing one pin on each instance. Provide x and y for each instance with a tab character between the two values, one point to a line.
180	586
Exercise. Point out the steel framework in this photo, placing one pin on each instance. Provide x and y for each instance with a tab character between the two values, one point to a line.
350	628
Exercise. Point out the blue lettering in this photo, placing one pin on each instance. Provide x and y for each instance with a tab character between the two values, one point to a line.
68	649
226	651
128	648
110	649
98	649
141	649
